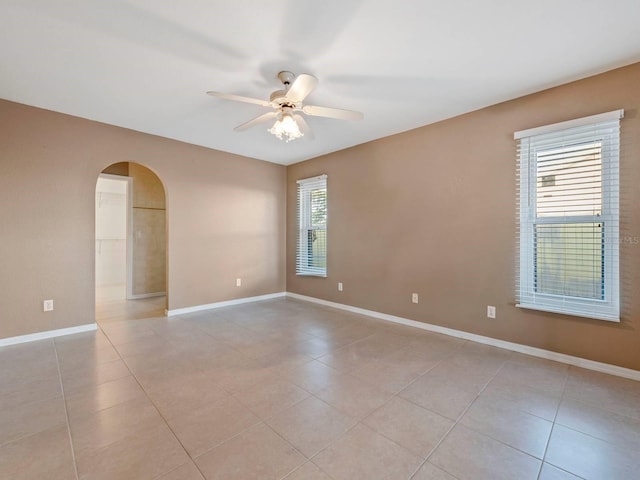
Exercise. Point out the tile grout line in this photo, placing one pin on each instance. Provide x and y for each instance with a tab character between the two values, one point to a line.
360	421
154	406
570	398
66	412
231	394
553	423
457	421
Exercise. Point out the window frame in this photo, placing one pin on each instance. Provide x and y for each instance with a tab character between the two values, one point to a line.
607	308
305	226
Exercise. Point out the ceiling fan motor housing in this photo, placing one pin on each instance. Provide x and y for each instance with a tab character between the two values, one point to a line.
279	97
286	77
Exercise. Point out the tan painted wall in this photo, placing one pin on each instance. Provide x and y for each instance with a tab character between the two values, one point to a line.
225	217
433	211
149	232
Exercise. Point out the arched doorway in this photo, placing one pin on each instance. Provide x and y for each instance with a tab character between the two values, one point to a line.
130	243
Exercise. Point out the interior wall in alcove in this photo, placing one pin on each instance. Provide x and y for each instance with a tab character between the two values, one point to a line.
148	225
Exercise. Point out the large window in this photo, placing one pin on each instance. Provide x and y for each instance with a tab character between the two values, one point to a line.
311	255
568	217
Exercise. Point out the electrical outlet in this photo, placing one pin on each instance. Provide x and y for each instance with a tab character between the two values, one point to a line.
339	286
47	305
414	297
238	282
491	311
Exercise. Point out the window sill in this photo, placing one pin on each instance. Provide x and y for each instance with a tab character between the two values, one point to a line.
542	308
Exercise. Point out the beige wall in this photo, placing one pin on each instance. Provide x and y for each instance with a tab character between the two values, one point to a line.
433	211
225	217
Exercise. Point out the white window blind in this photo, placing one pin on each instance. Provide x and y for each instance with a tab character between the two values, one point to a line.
311	255
568	216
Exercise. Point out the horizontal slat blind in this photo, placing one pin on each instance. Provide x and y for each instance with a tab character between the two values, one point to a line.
568	214
311	254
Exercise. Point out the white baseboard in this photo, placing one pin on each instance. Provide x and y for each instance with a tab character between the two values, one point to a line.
227	303
32	337
146	295
516	347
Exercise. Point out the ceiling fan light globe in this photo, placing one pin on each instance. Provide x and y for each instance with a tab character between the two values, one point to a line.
286	128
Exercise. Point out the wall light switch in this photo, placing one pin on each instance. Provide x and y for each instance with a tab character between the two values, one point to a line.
339	286
414	297
491	311
238	282
47	305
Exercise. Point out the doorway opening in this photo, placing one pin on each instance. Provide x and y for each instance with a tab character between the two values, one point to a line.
130	250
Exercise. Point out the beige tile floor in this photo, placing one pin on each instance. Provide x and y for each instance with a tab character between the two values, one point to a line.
284	389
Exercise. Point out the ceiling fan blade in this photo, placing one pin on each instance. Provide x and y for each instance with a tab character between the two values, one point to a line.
304	126
239	98
252	123
339	113
302	86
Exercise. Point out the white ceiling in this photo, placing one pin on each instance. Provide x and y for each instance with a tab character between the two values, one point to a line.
146	64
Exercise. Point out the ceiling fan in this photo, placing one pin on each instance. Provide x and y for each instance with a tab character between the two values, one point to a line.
288	107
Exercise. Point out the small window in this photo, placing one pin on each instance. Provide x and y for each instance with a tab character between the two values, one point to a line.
311	255
568	217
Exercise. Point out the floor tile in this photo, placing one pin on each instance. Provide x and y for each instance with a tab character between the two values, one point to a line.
174	396
548	377
346	334
41	353
90	375
410	426
279	363
311	425
97	430
126	331
589	457
615	394
309	471
503	421
72	357
188	471
146	345
353	397
472	364
312	376
30	391
444	396
268	399
29	418
418	358
468	455
468	371
428	471
536	402
29	362
45	455
96	398
244	375
549	472
316	347
150	453
347	359
256	453
607	426
367	455
388	377
201	429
